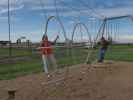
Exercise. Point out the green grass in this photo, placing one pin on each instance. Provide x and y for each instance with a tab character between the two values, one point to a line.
64	58
9	71
120	53
15	52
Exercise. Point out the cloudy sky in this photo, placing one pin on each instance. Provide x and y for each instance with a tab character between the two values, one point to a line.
28	18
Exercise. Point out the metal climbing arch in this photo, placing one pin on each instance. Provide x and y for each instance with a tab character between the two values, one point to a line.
80	47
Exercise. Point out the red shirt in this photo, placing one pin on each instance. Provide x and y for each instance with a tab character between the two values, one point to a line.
48	50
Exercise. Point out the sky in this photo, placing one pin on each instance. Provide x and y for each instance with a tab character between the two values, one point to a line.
28	18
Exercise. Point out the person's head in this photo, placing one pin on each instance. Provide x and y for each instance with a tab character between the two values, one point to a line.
102	39
45	38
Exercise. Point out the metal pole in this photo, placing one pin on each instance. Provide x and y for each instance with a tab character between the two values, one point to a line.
9	30
104	26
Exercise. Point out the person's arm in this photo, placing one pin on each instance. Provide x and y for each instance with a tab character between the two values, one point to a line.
40	45
54	42
56	39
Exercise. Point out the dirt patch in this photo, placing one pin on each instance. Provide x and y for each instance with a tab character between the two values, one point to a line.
109	81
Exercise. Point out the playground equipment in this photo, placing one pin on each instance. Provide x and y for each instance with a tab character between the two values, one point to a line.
105	32
103	27
66	49
81	42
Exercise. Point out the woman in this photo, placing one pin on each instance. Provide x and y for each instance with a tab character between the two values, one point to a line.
47	54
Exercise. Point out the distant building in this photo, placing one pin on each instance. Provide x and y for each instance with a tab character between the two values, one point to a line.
4	43
18	41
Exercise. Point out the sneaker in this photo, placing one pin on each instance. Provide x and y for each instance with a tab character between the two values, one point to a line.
100	61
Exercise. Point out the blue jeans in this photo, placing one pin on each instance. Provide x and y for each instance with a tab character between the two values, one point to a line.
102	54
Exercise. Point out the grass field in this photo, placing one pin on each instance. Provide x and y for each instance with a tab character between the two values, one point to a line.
15	52
64	57
120	53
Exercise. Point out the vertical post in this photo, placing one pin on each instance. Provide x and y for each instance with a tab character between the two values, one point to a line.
81	33
100	31
9	30
104	26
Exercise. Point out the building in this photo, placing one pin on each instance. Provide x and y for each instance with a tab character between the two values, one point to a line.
4	43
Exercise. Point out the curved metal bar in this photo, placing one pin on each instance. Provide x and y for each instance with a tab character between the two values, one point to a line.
82	24
58	18
47	22
101	30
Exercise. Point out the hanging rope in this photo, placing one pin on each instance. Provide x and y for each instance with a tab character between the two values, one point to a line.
101	31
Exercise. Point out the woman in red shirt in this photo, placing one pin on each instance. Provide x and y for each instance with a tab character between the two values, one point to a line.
47	54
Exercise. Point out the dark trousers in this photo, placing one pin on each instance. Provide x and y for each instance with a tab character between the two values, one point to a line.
102	54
